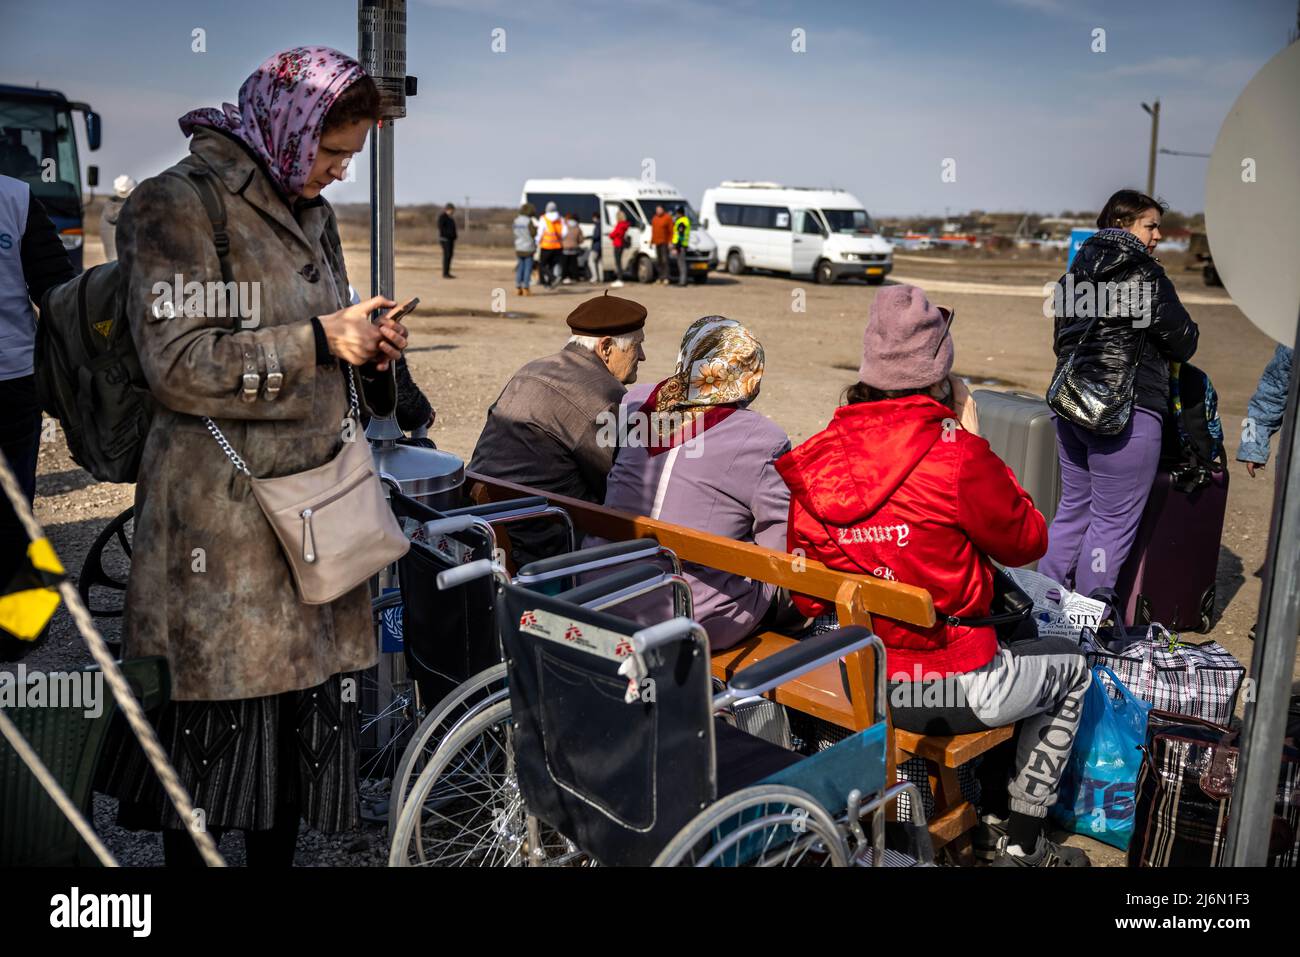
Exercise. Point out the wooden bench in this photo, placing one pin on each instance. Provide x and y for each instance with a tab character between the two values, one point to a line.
819	693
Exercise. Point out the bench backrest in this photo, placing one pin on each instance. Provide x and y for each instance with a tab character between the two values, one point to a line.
856	597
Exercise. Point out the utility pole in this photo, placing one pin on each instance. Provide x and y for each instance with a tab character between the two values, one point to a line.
466	214
1154	112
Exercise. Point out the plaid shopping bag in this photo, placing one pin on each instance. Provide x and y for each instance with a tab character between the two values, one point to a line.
1197	680
1184	796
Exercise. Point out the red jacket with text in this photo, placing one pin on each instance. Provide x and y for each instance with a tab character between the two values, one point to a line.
897	490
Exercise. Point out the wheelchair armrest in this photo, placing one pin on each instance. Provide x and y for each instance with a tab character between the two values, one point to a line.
465	573
490	510
611	584
804	656
587	559
392	600
450	526
405	506
674	629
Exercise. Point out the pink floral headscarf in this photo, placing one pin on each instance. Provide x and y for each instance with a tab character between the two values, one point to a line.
282	109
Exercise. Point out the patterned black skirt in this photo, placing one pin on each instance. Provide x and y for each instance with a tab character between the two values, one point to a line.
247	762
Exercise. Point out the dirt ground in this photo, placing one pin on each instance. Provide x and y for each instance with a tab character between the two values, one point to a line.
470	333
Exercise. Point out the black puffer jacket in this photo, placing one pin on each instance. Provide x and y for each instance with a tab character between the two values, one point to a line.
1145	294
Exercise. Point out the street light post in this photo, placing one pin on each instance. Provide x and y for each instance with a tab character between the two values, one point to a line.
1154	112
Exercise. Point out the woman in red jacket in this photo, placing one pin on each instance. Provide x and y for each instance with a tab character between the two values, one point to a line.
900	486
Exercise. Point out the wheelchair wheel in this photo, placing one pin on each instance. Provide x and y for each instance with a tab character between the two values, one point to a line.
465	809
388	714
767	825
461	705
107	566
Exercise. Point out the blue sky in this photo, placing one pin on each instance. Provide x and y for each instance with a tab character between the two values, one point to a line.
709	89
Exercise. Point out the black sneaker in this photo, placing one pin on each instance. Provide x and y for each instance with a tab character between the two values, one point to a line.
989	833
1047	854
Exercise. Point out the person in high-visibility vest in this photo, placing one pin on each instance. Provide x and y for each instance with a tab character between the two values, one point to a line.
681	239
550	243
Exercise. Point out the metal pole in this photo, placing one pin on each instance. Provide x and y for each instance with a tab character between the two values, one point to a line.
1255	792
382	210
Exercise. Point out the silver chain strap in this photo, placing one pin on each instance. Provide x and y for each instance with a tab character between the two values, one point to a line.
354	412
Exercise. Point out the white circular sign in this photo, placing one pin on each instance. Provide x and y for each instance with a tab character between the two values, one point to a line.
1252	198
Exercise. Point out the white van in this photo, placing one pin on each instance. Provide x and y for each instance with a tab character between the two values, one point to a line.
637	199
825	233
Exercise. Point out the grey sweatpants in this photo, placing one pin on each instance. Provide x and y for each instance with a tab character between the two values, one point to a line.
1039	683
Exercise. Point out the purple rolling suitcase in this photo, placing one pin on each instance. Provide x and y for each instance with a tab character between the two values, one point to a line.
1169	575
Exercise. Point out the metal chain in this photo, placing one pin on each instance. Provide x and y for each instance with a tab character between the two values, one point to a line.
354	412
354	407
226	447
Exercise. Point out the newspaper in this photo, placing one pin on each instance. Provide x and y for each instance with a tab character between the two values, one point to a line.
1059	612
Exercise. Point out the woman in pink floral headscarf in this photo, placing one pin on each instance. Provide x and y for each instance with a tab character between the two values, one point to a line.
262	727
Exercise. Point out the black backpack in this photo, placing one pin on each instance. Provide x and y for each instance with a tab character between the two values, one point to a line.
88	373
1192	445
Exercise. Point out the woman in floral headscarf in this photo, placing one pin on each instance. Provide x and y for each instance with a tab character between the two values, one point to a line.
695	454
262	725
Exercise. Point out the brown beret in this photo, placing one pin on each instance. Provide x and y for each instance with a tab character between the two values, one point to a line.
607	316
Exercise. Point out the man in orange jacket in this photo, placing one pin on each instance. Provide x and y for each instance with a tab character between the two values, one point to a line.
661	234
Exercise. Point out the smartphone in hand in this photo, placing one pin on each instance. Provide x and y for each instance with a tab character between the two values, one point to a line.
402	311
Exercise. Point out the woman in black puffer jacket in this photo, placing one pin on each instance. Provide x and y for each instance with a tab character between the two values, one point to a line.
1105	479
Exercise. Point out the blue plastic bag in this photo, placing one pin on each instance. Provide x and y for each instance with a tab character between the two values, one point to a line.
1097	795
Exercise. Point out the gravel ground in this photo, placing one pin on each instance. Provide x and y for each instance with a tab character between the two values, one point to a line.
471	333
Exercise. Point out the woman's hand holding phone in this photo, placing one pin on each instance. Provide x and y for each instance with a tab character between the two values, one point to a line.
355	339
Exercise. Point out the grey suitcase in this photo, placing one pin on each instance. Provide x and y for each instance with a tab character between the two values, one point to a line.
1019	428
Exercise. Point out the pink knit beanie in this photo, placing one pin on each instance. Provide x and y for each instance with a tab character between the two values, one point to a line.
906	344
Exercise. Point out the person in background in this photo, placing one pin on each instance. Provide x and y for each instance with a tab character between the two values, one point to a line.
708	462
681	240
447	234
122	187
661	236
1106	479
32	261
899	488
571	247
618	239
551	230
1266	409
544	429
525	247
593	256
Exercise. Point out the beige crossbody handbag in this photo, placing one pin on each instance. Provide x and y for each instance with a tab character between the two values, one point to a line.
333	521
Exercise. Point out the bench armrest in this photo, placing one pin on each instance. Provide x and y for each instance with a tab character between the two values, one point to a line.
801	657
587	559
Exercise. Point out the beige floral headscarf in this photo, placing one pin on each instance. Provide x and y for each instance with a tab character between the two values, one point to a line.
720	364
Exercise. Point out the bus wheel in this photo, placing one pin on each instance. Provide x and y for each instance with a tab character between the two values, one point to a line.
645	269
823	273
735	263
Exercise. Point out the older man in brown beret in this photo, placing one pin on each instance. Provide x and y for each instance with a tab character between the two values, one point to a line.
544	430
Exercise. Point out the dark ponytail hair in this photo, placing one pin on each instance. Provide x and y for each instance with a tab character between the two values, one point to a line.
1125	206
861	392
360	101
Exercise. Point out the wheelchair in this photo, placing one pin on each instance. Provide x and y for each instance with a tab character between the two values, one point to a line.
608	748
442	643
447	806
451	649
